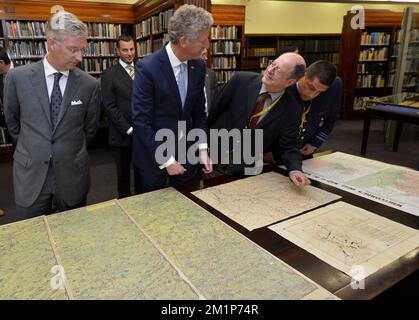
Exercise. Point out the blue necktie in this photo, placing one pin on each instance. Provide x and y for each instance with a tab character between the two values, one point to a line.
56	99
181	83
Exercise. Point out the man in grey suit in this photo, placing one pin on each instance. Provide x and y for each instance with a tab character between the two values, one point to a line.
52	111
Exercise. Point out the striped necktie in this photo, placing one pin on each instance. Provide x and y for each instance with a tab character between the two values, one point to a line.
130	68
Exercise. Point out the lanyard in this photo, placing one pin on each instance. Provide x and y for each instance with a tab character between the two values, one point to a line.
303	116
267	109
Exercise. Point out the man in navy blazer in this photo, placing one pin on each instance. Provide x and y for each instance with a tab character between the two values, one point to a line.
319	92
169	88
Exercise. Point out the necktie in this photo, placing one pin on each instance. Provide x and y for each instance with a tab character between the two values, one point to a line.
131	71
260	102
56	98
181	83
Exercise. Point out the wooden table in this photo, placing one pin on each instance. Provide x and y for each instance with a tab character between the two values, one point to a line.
388	112
322	273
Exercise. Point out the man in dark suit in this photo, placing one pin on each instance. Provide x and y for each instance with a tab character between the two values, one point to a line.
168	88
52	111
238	106
116	85
210	84
319	93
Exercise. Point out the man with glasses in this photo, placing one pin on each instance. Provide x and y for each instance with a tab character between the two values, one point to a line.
252	101
319	93
52	111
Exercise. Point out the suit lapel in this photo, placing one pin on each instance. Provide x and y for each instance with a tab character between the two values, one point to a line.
253	96
167	71
70	90
191	79
40	87
123	76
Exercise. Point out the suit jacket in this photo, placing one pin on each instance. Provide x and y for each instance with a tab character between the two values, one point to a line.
323	114
233	108
28	118
210	85
116	87
156	104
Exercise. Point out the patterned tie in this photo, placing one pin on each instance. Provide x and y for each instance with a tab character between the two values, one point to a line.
260	102
131	72
56	98
181	83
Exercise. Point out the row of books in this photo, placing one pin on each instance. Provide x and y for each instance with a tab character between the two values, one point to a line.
261	52
291	43
373	68
27	49
414	35
223	76
102	48
373	54
265	61
96	64
36	29
146	47
224	32
103	30
322	45
25	29
5	140
375	38
312	57
226	47
224	63
155	24
370	81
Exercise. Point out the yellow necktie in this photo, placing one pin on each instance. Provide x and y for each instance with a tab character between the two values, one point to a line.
131	71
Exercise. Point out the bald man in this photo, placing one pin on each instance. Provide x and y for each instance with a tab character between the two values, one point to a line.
252	101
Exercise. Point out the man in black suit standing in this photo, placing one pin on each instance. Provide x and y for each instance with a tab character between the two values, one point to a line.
116	83
252	101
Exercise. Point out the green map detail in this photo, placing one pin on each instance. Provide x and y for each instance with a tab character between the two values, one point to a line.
105	256
387	177
26	259
221	263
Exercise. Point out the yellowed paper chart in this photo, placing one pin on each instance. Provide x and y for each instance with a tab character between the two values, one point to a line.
351	239
261	200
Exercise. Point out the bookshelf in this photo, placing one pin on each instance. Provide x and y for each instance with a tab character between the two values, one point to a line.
152	22
261	49
227	38
369	57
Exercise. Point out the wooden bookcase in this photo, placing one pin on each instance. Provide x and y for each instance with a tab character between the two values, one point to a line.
368	59
152	22
260	49
227	39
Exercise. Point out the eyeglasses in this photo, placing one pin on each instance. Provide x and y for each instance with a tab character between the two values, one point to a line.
273	66
75	50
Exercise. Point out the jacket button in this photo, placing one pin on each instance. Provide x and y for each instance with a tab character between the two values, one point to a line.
52	141
46	162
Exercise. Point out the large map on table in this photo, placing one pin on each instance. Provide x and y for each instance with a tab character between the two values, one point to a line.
351	239
159	245
388	184
261	200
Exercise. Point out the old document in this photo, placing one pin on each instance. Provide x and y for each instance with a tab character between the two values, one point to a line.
351	239
261	200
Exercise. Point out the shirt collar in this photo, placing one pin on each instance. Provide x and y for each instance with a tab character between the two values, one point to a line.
50	70
273	95
174	61
125	65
